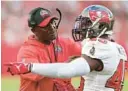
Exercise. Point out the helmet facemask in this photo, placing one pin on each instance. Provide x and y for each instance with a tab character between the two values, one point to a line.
85	28
80	28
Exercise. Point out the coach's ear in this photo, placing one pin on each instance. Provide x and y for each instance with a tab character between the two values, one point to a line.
33	29
36	30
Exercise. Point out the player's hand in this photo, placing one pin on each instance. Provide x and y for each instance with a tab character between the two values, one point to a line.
18	68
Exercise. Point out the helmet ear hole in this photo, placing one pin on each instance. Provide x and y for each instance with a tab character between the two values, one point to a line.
103	25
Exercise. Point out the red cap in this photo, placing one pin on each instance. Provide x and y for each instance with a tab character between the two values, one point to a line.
46	21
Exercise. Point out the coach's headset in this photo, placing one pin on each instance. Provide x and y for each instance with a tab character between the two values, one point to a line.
32	22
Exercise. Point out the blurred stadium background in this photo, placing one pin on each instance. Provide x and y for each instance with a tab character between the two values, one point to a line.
14	29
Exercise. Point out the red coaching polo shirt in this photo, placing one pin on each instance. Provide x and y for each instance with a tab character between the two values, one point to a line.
33	51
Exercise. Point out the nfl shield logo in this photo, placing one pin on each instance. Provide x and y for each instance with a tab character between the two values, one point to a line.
58	48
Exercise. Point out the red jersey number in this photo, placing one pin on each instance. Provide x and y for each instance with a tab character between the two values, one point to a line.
116	81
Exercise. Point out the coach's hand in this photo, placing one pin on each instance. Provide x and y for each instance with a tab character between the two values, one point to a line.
18	68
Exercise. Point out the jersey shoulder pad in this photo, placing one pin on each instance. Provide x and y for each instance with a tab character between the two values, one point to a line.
97	48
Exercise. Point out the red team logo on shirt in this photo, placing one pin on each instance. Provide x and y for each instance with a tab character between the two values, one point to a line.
58	48
44	13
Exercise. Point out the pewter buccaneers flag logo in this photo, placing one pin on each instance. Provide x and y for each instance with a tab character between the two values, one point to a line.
99	14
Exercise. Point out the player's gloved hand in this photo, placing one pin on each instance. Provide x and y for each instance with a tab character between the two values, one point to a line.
18	68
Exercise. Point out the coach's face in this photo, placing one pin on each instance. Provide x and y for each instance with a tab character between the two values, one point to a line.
47	33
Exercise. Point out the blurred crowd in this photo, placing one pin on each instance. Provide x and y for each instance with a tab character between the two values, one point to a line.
14	27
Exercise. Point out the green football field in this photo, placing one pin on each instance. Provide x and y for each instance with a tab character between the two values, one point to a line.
11	83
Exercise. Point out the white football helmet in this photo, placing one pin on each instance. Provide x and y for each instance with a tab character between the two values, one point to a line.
94	21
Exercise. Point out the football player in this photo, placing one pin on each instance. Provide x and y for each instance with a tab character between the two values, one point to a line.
102	61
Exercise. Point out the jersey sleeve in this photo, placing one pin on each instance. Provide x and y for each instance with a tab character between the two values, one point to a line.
28	56
122	52
103	50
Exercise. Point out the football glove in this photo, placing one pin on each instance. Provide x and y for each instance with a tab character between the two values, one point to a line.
18	68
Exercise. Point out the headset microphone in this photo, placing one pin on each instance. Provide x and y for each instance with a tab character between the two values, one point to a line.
59	18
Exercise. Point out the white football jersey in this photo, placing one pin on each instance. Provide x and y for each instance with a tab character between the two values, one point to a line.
110	53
